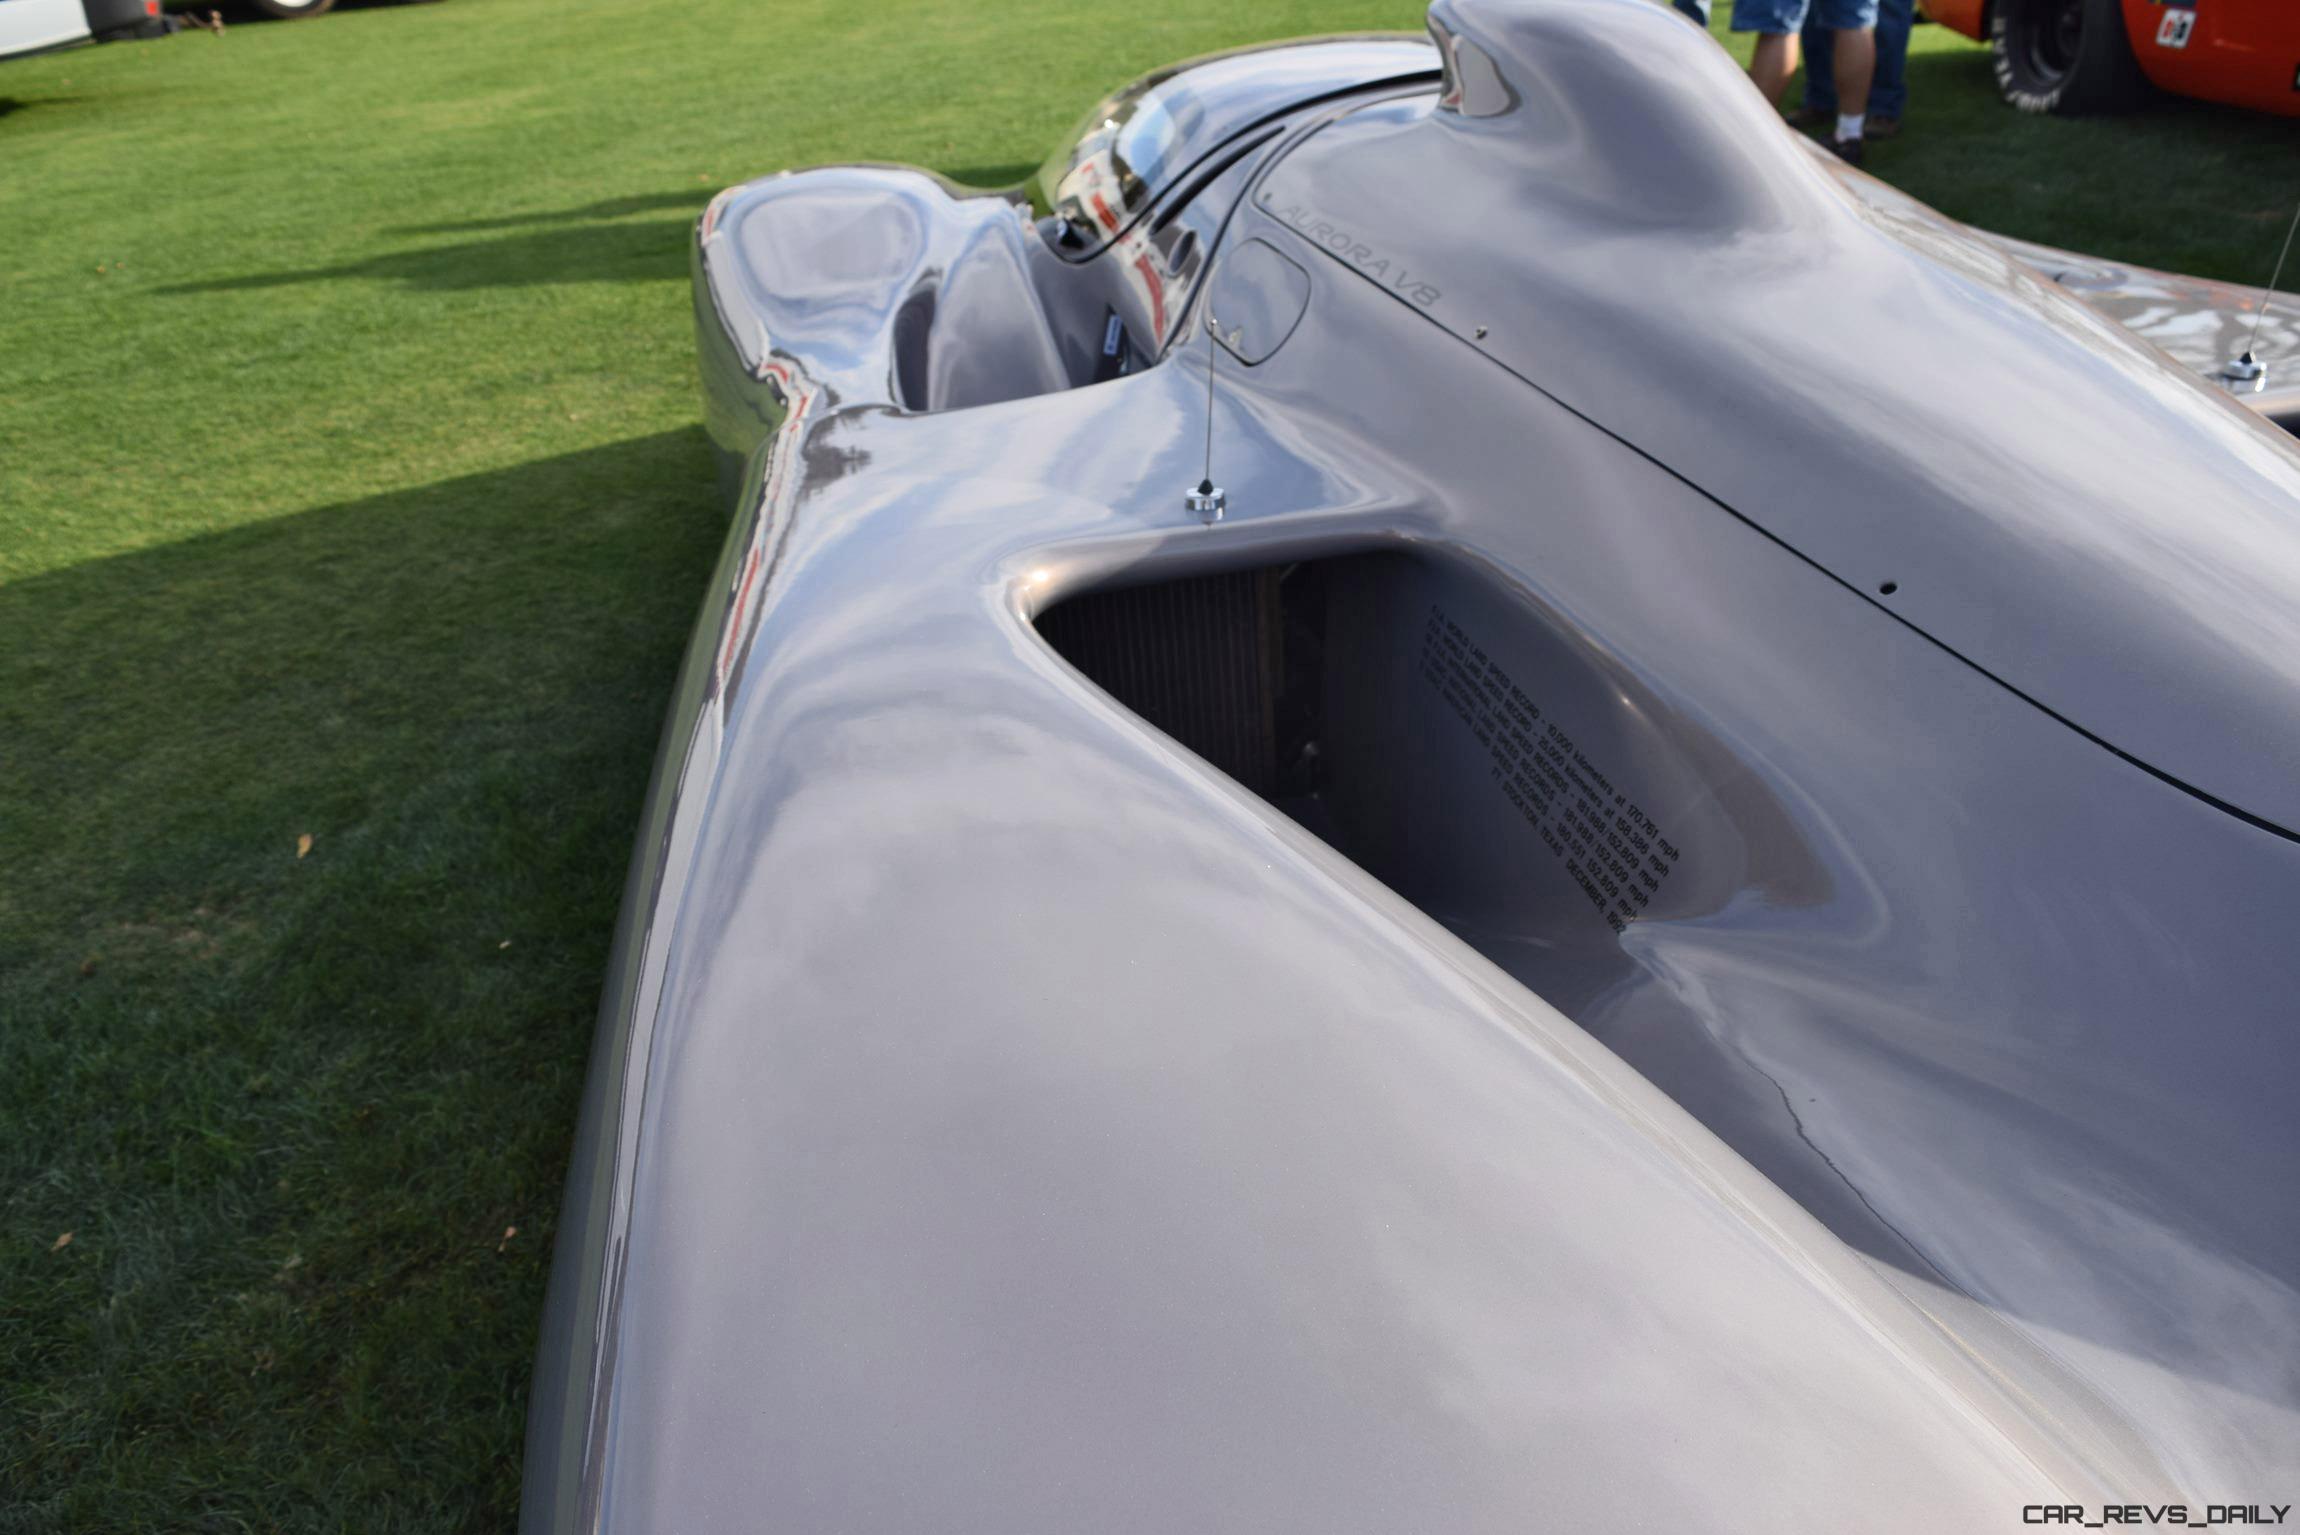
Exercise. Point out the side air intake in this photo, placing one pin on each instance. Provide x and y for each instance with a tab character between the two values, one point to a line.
1199	658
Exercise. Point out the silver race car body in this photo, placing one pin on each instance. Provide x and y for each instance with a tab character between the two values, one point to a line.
1454	796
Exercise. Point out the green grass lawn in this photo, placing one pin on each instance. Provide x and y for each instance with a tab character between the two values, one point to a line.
350	489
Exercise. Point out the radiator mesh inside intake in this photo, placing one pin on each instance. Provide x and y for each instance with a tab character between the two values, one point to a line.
1200	658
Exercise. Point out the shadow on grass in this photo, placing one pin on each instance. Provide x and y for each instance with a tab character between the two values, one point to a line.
580	244
993	177
581	253
2188	185
307	1115
1965	76
598	242
11	105
293	663
691	200
241	13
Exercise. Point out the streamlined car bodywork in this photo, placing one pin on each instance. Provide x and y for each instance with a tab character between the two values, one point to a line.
1455	795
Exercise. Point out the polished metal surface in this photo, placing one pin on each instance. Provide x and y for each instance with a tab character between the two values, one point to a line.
1928	412
1143	141
1001	1120
2199	323
1256	298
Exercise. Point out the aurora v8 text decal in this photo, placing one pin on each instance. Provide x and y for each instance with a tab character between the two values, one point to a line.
1321	231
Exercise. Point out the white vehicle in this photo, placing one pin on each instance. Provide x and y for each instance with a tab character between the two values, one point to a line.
36	26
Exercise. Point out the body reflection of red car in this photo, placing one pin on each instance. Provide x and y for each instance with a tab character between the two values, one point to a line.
2075	56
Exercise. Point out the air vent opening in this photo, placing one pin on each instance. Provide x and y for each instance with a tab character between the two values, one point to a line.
1465	742
1448	735
1209	661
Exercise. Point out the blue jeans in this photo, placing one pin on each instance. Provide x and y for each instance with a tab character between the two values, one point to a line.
1889	91
1779	18
1698	10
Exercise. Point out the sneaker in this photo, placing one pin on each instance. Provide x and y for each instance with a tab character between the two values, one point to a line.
1810	117
1883	128
1848	150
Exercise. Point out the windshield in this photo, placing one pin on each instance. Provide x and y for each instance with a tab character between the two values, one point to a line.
1123	154
1138	142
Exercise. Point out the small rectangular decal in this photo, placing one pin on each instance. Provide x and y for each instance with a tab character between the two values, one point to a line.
1116	359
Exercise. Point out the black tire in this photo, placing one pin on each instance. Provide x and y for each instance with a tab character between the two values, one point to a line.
2070	57
292	10
113	18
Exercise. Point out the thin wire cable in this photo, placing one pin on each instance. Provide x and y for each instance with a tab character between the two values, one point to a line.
2270	296
1209	477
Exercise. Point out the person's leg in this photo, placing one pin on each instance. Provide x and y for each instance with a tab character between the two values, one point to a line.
1820	48
1774	61
1889	95
1856	66
1696	11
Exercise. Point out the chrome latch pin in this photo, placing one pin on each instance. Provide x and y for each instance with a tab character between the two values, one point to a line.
1208	500
2246	374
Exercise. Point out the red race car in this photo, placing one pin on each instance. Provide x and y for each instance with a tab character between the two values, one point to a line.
2075	56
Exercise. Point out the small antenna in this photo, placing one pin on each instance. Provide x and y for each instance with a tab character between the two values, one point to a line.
2248	368
1207	499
